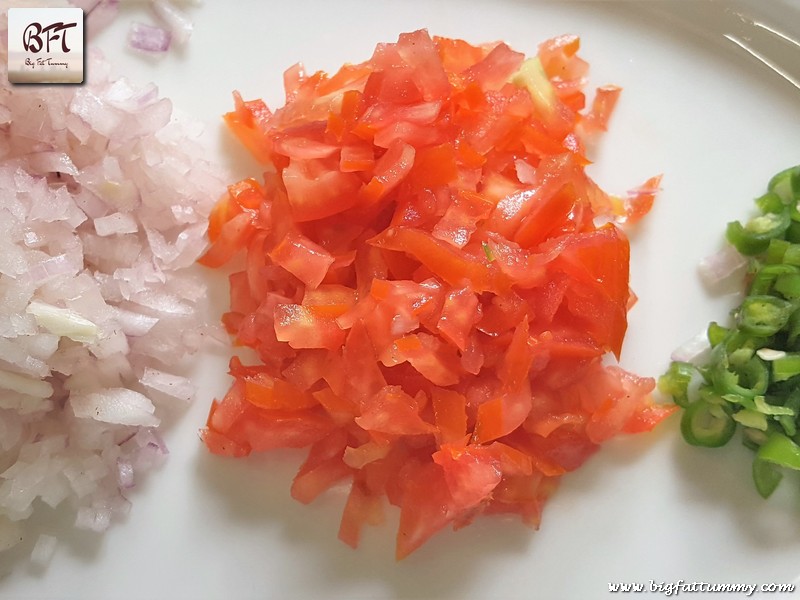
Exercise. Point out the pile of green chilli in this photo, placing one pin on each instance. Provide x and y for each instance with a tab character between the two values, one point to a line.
752	376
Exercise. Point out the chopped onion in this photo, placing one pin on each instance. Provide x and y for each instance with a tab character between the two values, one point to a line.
175	19
25	385
115	223
63	322
133	323
43	550
695	351
10	533
125	474
105	206
93	519
171	385
50	268
147	38
769	354
723	267
115	405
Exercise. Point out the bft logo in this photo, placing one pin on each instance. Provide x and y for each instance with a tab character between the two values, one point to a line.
45	45
32	37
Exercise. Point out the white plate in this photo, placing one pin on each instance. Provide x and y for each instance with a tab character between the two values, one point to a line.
716	123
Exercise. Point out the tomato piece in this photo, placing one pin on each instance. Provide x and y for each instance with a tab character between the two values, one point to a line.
495	69
362	508
233	237
267	392
523	495
322	468
425	285
435	166
394	412
597	264
514	368
431	357
304	259
605	100
316	191
640	200
460	312
501	415
472	358
450	412
306	369
424	508
359	357
248	122
613	397
419	50
307	327
220	445
452	265
461	218
356	158
365	453
390	170
549	216
330	299
224	414
269	429
470	476
552	174
339	408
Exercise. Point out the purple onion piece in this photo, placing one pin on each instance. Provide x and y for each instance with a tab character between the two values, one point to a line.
147	38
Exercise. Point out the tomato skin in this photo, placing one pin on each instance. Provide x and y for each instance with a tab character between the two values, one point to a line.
434	166
307	327
461	219
267	392
392	411
461	310
362	508
470	476
426	289
494	69
597	264
249	123
269	429
523	495
424	509
450	413
357	157
389	171
322	468
640	200
220	445
453	267
232	237
315	192
304	259
429	356
502	414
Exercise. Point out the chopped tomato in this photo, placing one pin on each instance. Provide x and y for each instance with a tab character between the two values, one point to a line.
304	259
425	284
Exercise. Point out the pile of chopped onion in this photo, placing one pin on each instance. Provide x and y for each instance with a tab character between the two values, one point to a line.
103	208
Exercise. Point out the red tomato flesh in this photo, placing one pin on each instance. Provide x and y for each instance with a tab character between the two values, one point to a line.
426	285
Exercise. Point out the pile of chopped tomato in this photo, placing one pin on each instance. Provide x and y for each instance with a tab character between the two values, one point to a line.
427	284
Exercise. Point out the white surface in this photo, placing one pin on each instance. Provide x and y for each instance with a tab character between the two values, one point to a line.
647	508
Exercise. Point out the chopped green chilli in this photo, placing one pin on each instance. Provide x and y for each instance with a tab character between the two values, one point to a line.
751	378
